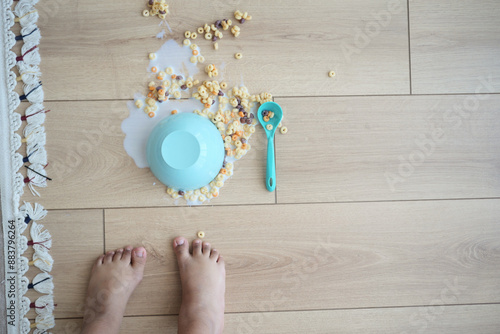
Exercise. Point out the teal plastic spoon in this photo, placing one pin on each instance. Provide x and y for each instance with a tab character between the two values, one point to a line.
274	122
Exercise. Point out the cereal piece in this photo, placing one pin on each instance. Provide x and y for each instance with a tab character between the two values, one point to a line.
266	118
162	16
251	130
223	85
170	191
193	59
175	195
145	13
208	35
238	55
194	35
201	30
219	184
186	42
202	198
331	74
173	112
138	104
193	46
169	70
204	190
152	55
151	114
216	46
201	234
154	69
201	59
269	127
197	192
177	95
284	129
195	52
187	34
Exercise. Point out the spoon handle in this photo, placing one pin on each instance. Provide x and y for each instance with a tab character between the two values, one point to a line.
271	167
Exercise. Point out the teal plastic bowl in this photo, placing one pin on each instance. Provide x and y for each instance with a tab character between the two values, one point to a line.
185	151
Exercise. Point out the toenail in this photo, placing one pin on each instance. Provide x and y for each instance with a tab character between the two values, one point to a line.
179	242
139	253
197	242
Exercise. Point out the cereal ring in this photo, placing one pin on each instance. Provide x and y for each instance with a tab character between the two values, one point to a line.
202	198
194	35
152	55
169	70
138	104
219	184
173	112
193	59
238	55
216	46
154	69
284	129
201	59
201	234
145	12
201	30
186	42
177	95
187	34
193	46
269	127
331	74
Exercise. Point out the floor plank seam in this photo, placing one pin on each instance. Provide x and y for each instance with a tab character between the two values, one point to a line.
409	46
303	96
268	204
308	310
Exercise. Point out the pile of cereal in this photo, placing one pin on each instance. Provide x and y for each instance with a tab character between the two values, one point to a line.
231	110
156	7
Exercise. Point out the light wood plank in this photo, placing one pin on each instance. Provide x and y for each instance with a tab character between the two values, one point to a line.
388	148
455	46
481	319
323	256
101	53
90	168
77	240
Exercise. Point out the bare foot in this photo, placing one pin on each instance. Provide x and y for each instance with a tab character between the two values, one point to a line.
114	277
203	278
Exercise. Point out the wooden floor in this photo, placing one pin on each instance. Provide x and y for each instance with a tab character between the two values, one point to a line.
386	213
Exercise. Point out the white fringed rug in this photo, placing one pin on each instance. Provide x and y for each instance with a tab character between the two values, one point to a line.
23	69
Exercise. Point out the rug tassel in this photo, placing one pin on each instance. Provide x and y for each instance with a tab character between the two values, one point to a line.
44	305
29	55
30	213
35	134
37	177
24	6
43	322
42	283
33	93
35	114
42	261
30	35
37	156
27	19
29	74
41	240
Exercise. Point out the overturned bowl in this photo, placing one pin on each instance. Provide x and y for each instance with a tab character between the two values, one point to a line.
185	151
